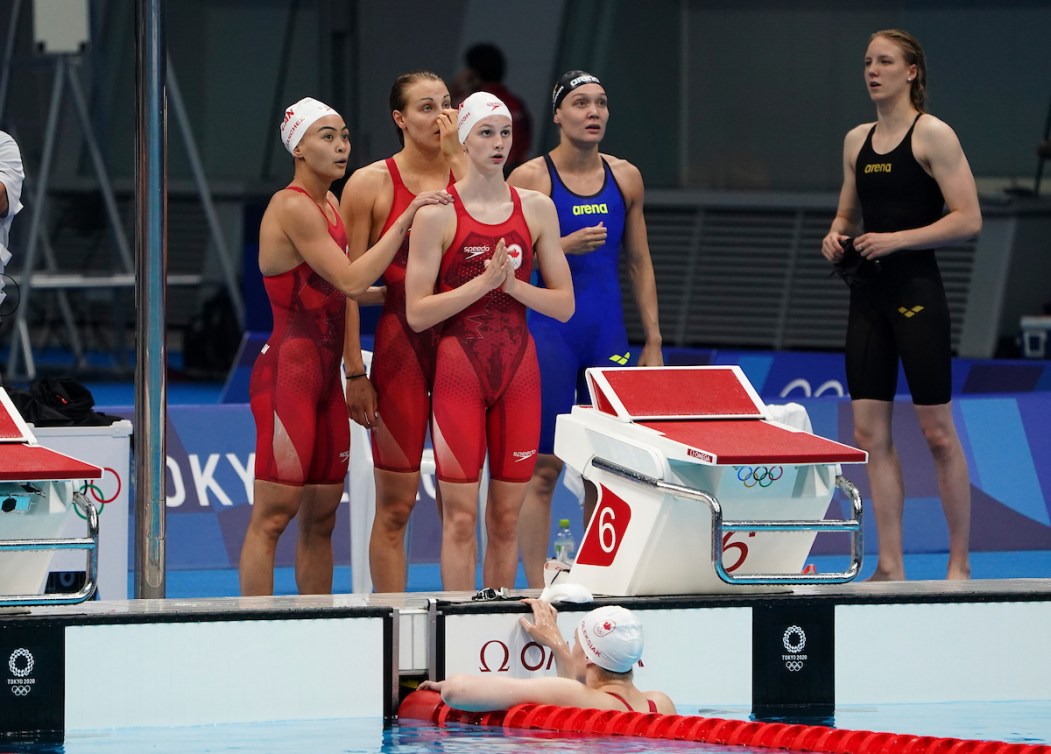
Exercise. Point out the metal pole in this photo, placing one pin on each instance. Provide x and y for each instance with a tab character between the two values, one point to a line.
151	187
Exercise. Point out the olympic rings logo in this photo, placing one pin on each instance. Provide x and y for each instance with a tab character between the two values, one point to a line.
794	640
96	492
763	476
21	690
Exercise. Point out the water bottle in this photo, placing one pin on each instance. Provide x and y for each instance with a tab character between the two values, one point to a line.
564	543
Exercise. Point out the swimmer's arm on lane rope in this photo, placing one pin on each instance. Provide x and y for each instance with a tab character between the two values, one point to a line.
555	299
479	693
433	232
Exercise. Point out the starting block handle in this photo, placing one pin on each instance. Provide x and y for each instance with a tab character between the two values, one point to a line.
90	544
719	527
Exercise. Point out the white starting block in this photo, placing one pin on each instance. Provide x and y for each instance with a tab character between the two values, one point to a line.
699	491
36	496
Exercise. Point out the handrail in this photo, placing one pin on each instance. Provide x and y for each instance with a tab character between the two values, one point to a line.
719	527
89	544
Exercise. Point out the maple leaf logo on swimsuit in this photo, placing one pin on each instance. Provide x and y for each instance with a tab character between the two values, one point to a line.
514	253
604	628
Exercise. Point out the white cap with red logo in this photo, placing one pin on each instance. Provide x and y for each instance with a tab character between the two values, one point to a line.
611	637
479	105
300	117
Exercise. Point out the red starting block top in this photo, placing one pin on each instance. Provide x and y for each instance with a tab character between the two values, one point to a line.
737	443
21	461
713	412
29	463
634	393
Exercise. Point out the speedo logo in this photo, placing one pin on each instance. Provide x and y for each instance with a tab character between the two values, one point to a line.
878	167
522	455
473	251
590	209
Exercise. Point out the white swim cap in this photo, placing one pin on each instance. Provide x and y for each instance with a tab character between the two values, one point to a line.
611	638
299	117
479	105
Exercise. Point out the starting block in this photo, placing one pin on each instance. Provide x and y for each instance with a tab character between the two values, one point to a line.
699	489
36	496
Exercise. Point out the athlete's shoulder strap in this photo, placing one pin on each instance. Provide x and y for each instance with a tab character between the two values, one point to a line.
319	207
621	699
395	174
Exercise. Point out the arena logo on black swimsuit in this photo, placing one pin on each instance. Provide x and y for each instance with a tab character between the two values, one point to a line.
878	167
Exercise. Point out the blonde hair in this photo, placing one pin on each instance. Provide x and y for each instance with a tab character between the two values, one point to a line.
913	52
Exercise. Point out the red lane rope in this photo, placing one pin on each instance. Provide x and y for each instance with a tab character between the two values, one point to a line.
427	706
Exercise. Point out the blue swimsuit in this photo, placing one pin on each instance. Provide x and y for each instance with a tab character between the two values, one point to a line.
595	335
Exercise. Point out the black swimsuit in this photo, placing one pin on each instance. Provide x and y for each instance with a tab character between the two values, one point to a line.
903	312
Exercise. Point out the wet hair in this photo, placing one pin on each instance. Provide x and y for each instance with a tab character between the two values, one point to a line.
401	85
487	61
913	52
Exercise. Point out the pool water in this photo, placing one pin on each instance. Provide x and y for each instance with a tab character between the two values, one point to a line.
1017	722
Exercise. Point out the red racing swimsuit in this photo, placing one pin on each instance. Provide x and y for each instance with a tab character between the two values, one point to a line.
487	383
301	419
402	360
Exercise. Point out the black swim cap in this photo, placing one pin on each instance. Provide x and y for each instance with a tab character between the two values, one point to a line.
570	80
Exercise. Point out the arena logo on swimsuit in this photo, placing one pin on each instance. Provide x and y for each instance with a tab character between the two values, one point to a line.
878	167
590	209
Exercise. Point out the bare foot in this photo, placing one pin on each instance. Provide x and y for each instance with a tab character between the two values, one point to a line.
959	573
882	575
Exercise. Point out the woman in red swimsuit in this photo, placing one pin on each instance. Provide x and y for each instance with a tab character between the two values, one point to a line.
596	674
302	430
393	400
469	269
